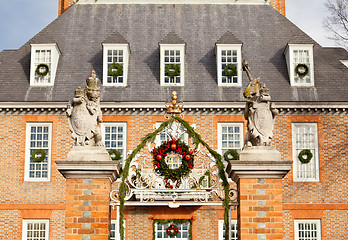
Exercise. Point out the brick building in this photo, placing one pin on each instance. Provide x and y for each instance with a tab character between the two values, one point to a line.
308	85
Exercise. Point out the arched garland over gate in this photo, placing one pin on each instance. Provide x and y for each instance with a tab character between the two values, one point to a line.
196	140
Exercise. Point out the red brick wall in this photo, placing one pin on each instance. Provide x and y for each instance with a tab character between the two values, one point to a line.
279	5
64	5
326	199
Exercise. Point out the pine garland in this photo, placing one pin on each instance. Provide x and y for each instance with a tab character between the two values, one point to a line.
197	140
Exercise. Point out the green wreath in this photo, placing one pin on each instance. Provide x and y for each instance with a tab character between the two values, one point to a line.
173	70
39	67
172	230
177	147
231	154
230	70
116	153
305	156
117	66
40	152
300	73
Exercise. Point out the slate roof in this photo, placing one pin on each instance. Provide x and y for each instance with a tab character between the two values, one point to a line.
228	38
80	31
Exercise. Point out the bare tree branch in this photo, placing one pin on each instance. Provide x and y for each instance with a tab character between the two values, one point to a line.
337	21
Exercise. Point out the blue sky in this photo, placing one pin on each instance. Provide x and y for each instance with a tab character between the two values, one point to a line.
20	20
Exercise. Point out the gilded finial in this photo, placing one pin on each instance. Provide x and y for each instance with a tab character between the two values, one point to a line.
174	106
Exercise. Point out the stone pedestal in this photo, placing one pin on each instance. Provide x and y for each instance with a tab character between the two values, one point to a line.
258	174
90	172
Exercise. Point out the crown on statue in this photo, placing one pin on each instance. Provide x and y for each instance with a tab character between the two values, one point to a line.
93	81
174	106
264	90
79	92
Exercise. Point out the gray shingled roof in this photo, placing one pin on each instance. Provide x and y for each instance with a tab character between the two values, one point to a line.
228	38
80	31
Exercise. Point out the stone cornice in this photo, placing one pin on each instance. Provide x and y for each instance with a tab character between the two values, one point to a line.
285	108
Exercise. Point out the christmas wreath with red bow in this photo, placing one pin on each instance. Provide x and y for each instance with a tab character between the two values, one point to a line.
178	149
172	230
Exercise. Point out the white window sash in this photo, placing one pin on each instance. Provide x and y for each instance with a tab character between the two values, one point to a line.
181	48
53	64
117	226
230	124
308	229
28	155
233	229
124	138
232	47
180	226
25	229
308	172
125	49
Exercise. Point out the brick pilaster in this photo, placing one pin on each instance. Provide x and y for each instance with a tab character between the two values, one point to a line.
87	209
260	209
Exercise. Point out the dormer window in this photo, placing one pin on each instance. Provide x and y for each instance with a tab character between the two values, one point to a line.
44	62
172	60
115	66
228	60
116	52
299	58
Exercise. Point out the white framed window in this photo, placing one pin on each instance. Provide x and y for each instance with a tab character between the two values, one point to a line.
38	137
305	136
178	128
114	135
161	233
35	229
44	59
172	59
307	229
230	136
233	230
115	54
114	228
228	56
299	58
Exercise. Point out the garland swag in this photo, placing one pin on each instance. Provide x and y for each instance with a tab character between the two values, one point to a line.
197	140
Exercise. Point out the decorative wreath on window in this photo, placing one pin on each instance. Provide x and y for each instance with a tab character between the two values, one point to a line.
176	149
172	230
115	69
173	70
305	156
301	69
115	153
42	69
41	153
231	154
230	70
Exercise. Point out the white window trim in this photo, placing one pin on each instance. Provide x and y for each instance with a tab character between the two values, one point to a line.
27	153
54	62
158	140
238	48
290	58
223	124
221	224
117	222
27	221
316	221
182	238
180	47
126	51
124	125
295	156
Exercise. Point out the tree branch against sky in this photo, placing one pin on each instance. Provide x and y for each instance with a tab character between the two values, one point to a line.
337	21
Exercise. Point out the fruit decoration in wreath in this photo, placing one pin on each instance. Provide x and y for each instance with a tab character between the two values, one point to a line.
173	160
115	69
231	154
41	153
172	230
173	70
305	156
230	70
114	154
301	69
42	70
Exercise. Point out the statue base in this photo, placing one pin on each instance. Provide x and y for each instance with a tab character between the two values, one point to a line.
258	162
89	162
